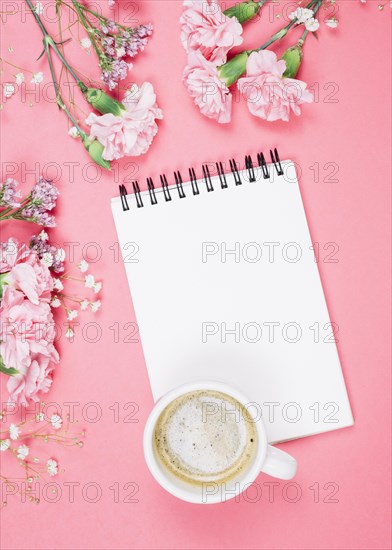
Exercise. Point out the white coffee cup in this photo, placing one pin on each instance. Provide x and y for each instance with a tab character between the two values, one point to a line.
267	459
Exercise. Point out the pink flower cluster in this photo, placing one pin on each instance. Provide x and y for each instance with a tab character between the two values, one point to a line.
132	132
27	330
207	35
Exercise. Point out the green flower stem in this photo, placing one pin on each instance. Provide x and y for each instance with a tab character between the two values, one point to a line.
49	42
283	31
87	26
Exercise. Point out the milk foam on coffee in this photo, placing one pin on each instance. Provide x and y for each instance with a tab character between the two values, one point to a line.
205	436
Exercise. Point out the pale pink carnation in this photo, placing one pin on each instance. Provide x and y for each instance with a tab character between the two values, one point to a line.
25	272
27	335
209	93
205	28
132	133
269	95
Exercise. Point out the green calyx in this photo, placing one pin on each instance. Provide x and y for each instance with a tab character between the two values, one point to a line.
243	11
103	102
292	57
95	150
231	71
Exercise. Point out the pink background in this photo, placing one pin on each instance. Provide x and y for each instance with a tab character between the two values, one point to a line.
347	126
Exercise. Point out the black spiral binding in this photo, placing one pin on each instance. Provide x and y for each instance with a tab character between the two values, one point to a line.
151	190
165	187
207	179
178	178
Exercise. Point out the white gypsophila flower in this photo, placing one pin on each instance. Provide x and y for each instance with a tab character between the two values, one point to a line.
89	281
69	333
40	417
55	302
60	255
95	306
83	266
73	132
312	24
23	452
14	432
85	43
19	78
37	78
8	90
332	23
56	421
84	305
301	14
43	236
72	314
52	467
47	259
4	444
39	9
120	52
97	287
57	284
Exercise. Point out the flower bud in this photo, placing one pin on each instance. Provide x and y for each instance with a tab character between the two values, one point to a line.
243	11
103	102
95	150
293	57
231	71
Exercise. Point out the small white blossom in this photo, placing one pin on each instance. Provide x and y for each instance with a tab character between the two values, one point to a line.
40	417
19	78
52	467
37	78
312	24
60	255
85	43
55	302
332	23
8	89
39	9
73	132
120	52
57	284
89	281
72	314
43	236
23	451
70	333
95	306
56	421
4	444
97	287
84	305
14	432
47	259
301	14
83	266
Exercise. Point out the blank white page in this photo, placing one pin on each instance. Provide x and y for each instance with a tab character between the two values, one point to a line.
225	286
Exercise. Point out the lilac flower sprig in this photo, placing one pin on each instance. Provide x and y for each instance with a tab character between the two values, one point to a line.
112	42
35	207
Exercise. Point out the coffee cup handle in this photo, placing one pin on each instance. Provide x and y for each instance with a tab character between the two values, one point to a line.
279	464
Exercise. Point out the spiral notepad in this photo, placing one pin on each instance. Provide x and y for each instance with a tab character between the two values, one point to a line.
225	286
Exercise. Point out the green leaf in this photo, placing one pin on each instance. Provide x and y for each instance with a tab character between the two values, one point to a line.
10	372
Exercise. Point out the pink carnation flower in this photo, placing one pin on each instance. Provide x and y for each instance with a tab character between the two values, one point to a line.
269	95
131	133
209	93
205	28
26	272
27	334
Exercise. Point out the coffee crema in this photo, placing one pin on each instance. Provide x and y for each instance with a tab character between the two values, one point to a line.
205	436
